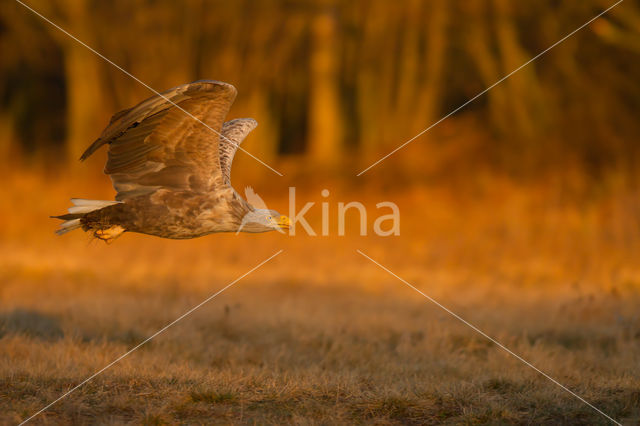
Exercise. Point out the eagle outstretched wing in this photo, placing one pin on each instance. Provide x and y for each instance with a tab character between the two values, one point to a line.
234	132
157	144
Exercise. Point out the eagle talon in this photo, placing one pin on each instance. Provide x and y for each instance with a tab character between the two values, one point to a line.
109	234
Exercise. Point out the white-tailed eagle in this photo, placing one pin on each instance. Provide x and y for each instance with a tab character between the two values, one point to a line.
171	172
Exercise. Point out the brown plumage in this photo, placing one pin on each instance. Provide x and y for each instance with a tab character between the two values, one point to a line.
171	171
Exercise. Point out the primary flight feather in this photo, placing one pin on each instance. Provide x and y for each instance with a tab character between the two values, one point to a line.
171	171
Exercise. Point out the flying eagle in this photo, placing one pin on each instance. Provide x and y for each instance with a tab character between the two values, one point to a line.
171	171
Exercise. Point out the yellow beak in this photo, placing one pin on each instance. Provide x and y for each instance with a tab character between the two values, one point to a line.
284	222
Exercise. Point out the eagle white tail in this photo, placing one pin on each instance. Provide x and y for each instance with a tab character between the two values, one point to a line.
81	205
68	225
80	208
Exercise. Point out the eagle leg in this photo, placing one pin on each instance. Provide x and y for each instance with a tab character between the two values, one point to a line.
109	234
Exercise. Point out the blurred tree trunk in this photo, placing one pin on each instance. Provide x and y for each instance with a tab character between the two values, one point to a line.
409	78
523	87
436	46
84	97
376	76
479	46
390	24
82	74
264	147
325	119
369	128
8	148
418	56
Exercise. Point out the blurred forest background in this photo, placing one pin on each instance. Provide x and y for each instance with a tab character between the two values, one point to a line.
338	84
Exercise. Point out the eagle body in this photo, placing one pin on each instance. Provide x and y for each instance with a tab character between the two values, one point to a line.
175	215
170	159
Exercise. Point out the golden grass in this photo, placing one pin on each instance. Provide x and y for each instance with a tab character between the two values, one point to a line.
320	334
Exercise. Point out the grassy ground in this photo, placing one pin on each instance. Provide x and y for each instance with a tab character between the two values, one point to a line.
320	334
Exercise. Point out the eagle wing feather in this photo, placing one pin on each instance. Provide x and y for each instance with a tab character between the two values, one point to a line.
234	132
157	145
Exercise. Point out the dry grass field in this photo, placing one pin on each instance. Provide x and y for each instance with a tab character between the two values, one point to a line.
320	335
